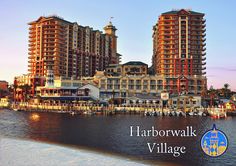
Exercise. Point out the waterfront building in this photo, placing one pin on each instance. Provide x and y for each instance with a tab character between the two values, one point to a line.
64	90
3	85
123	86
69	49
25	86
185	101
233	97
179	49
4	102
175	101
129	68
3	88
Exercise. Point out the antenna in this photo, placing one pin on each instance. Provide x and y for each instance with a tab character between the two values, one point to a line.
111	19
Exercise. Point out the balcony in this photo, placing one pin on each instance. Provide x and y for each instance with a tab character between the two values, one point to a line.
204	68
31	53
203	73
32	27
31	45
30	65
203	59
204	63
32	40
204	53
32	35
31	57
31	49
32	32
31	61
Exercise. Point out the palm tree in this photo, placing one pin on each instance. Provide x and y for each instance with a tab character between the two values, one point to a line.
227	90
212	93
226	85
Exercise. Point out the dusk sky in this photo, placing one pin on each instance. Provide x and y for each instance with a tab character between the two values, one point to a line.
133	19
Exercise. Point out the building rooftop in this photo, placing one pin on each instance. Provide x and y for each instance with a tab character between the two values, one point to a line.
50	17
187	10
134	63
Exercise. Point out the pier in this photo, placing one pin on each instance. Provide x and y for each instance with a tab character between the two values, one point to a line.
110	109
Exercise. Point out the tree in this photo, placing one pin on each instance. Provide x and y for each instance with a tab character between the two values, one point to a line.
226	85
212	93
225	90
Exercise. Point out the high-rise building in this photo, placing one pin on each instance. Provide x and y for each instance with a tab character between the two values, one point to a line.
179	49
69	49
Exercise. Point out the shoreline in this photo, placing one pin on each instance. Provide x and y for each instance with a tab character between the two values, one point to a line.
132	110
111	109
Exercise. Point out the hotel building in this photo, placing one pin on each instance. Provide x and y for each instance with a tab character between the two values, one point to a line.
131	79
179	50
129	68
69	49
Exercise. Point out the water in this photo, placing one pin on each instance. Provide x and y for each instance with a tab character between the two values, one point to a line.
112	134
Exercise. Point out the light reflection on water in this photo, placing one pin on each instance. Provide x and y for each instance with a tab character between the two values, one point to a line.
111	134
35	117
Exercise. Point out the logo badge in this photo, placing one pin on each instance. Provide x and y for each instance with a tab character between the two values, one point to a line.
214	142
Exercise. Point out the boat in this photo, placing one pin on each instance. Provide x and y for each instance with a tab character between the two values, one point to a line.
155	113
146	113
72	113
231	113
182	113
89	112
216	114
200	113
191	113
16	109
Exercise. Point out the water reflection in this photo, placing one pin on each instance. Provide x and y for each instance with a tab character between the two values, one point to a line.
112	134
34	117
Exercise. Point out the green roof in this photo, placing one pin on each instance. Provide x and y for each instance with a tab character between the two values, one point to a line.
134	63
176	11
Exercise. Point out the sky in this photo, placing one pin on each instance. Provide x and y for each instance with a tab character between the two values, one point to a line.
134	20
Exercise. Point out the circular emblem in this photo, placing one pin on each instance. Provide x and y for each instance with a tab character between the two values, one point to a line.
214	142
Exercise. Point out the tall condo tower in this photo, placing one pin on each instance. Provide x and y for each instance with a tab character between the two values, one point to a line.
179	50
68	49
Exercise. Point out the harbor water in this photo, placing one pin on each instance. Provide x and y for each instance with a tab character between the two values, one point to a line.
111	135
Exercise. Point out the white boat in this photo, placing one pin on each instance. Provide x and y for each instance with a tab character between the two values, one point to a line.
200	113
191	113
72	113
217	114
177	113
16	109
